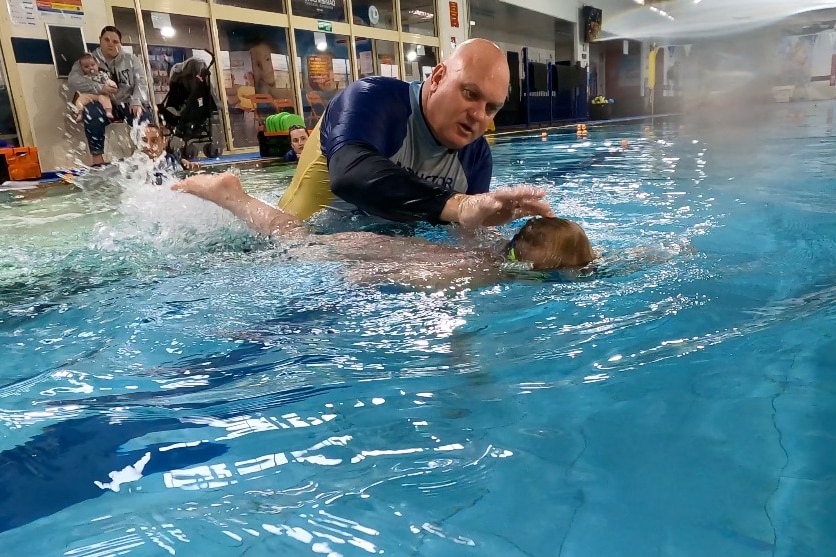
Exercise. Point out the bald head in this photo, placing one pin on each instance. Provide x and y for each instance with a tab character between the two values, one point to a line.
465	92
481	55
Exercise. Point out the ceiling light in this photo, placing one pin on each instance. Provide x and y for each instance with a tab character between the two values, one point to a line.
421	14
168	32
411	56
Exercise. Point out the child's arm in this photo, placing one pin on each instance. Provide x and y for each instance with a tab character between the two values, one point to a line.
225	191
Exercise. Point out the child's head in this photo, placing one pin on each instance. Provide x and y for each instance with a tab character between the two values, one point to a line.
551	243
89	64
298	137
153	143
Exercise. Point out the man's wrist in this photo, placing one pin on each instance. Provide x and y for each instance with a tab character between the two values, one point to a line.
453	208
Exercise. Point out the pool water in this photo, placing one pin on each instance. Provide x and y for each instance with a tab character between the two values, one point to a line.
173	385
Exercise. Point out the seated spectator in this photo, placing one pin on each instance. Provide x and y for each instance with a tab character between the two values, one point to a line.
156	147
298	136
93	73
129	95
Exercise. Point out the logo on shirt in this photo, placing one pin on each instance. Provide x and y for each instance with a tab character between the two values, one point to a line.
446	181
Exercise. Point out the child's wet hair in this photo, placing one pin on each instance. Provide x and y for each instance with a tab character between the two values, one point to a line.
553	243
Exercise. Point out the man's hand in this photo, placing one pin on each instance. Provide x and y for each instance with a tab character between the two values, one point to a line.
136	110
502	206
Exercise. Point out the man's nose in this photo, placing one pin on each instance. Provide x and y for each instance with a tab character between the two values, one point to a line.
479	113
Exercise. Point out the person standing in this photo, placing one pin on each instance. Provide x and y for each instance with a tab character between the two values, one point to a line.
130	96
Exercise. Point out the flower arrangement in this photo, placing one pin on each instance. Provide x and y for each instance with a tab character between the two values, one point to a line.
601	100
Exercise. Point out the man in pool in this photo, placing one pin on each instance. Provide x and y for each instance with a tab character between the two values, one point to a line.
542	243
407	152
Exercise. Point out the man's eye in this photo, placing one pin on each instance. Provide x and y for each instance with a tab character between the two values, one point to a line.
468	94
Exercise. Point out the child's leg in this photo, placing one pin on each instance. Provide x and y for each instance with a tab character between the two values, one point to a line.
225	190
80	101
106	104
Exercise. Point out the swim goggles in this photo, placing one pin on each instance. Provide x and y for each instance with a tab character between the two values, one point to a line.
512	262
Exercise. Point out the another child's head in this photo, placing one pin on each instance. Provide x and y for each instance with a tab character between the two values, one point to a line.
298	137
153	143
89	64
551	243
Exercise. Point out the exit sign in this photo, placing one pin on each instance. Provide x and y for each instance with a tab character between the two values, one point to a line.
324	26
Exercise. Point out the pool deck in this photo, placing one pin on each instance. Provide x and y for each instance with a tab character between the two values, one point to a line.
57	176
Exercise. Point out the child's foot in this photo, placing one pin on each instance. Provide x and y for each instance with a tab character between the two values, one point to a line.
109	115
218	188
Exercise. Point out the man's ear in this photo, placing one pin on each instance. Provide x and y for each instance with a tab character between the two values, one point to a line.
438	74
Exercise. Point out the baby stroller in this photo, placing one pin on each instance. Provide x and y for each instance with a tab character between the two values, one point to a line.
188	108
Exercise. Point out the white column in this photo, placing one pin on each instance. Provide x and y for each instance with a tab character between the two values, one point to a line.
453	24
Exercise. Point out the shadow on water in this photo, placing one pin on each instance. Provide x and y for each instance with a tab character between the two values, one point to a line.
59	467
70	461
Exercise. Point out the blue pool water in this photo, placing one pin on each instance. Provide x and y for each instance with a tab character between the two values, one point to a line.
172	385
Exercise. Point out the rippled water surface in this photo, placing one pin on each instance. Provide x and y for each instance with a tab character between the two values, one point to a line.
172	385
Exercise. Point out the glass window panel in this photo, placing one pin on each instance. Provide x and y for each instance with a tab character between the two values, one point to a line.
125	20
169	45
374	13
418	16
275	6
323	68
419	61
331	10
257	77
377	57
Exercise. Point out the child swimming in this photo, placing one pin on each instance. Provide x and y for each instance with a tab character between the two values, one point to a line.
544	243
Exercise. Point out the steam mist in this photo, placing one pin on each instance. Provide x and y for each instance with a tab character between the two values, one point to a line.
702	19
730	55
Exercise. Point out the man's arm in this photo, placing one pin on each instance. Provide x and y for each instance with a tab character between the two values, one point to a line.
79	82
363	177
366	178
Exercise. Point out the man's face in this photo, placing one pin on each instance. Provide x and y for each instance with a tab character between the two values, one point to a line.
110	44
90	66
153	144
462	103
298	138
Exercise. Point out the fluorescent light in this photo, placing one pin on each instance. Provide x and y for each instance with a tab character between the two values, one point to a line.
421	13
168	32
411	56
322	46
